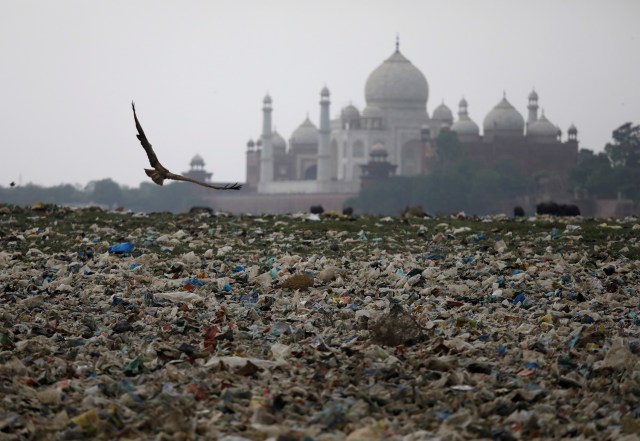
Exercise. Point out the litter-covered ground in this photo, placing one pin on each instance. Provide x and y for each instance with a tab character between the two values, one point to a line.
200	326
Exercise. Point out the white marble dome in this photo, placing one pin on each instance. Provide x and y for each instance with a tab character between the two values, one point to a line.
397	83
306	133
465	126
350	113
277	141
504	118
443	113
379	151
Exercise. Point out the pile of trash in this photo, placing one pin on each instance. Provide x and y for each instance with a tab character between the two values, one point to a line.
213	326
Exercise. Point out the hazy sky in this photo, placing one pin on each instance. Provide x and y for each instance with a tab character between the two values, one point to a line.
198	71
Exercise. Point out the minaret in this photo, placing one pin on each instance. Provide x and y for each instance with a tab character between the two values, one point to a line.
266	156
573	133
252	165
462	109
324	163
533	107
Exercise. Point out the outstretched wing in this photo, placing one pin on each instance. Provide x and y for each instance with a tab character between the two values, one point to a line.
176	177
146	145
160	173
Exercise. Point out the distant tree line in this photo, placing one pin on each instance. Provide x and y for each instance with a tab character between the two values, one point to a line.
456	183
613	172
174	197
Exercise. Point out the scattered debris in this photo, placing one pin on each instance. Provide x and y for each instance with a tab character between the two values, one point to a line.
360	328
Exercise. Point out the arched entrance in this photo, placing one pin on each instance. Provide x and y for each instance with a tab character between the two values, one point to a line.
311	172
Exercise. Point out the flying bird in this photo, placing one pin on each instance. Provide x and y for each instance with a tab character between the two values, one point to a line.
159	173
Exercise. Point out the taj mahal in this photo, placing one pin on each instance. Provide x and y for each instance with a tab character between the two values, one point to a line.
329	158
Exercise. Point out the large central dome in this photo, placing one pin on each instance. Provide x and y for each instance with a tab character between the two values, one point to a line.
397	83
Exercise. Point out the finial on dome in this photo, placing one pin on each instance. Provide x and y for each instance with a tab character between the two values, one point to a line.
397	42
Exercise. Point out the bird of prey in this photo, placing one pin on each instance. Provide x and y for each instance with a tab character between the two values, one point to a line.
159	173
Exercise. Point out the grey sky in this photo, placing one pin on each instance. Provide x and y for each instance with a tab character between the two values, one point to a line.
198	71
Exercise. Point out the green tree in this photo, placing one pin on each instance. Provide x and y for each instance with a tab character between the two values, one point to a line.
64	194
624	151
593	172
448	149
106	192
614	171
30	193
460	185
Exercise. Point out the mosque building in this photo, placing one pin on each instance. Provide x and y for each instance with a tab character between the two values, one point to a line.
197	170
394	126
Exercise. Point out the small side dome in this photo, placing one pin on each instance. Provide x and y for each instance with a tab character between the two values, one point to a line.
378	152
443	114
572	130
542	128
324	91
350	113
504	118
267	99
465	126
533	96
372	112
306	133
278	142
197	161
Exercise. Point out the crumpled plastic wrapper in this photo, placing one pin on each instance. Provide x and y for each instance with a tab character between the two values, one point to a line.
213	326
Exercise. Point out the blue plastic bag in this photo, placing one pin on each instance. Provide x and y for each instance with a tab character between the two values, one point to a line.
121	248
520	298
